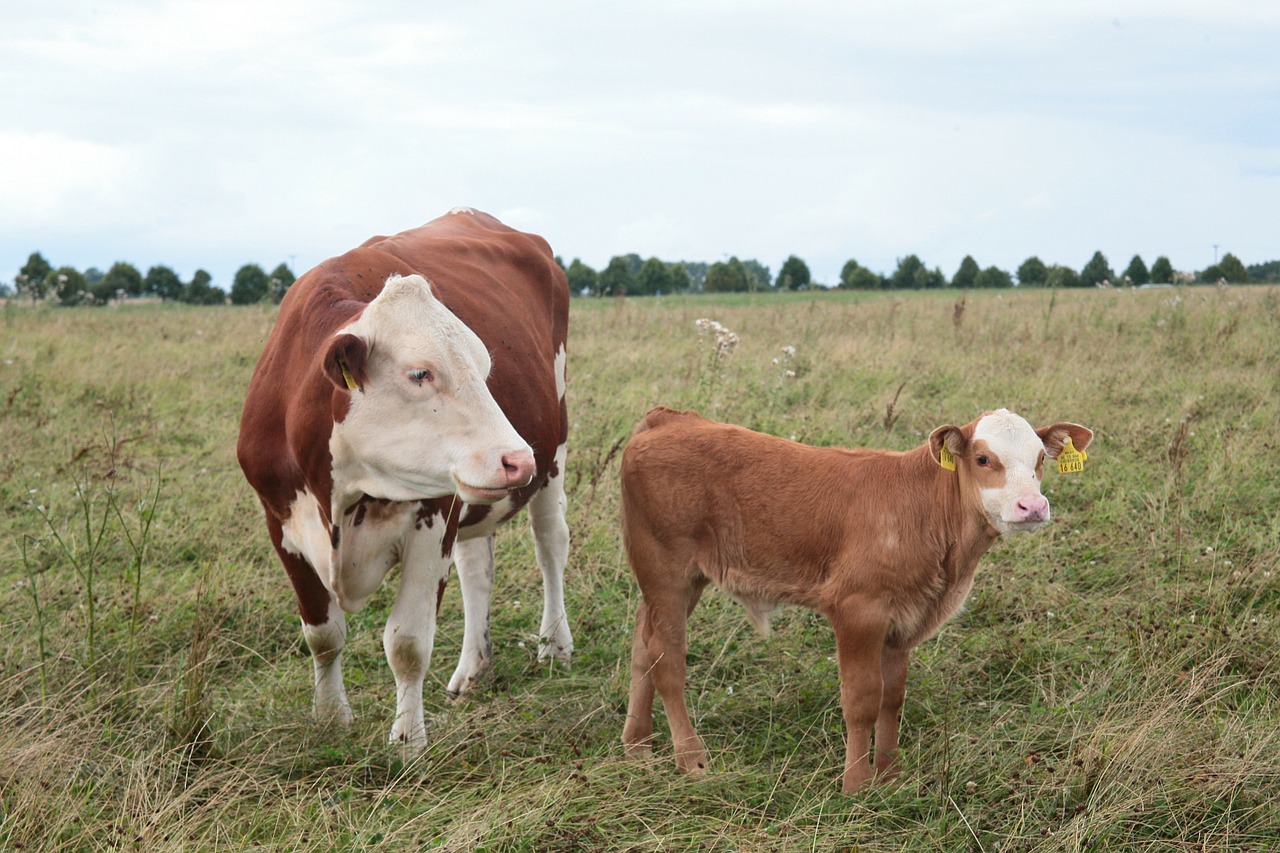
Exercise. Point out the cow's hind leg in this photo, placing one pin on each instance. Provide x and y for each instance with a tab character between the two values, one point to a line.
474	559
551	546
637	731
409	636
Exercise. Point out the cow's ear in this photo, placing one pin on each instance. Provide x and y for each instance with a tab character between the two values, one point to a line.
1055	437
347	362
952	440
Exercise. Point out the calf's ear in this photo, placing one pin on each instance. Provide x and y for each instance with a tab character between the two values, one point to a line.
346	362
950	437
1055	437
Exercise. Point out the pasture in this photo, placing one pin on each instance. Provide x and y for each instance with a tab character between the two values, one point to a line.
1112	685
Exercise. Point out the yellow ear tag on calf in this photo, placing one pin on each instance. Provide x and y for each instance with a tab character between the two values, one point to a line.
1070	460
945	459
352	385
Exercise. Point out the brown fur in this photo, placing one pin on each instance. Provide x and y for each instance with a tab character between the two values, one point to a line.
885	544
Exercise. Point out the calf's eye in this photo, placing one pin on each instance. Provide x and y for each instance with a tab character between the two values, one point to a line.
417	377
983	461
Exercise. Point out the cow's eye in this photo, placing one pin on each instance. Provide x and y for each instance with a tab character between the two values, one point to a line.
984	461
420	375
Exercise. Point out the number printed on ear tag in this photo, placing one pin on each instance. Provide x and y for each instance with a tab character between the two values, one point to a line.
1070	460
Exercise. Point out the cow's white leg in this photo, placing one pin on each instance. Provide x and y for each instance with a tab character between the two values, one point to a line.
474	559
410	634
551	545
326	642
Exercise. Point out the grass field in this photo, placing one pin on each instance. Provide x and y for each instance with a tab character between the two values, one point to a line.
1113	684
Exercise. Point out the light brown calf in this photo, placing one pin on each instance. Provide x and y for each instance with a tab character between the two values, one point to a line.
884	544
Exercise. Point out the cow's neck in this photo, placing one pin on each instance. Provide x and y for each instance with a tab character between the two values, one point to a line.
965	531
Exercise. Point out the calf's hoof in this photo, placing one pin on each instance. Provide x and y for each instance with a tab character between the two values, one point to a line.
693	762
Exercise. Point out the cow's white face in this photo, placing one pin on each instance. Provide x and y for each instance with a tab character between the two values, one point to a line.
1007	459
1001	458
421	422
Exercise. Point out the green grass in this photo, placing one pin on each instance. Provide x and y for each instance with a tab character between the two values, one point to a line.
1112	684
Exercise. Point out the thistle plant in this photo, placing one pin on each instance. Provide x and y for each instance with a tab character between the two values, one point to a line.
723	342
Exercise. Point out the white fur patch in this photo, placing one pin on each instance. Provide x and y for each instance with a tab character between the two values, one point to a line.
562	382
1011	440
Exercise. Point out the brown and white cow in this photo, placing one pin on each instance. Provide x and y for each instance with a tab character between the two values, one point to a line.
884	544
410	398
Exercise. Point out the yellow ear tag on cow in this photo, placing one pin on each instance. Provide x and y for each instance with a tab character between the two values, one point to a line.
1070	460
353	386
945	459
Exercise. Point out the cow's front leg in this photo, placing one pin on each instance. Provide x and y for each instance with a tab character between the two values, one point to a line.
551	547
474	559
410	635
893	668
860	626
326	641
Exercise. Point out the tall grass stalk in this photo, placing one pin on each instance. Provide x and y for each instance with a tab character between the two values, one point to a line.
33	584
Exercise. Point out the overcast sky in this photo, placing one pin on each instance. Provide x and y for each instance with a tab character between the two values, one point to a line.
213	134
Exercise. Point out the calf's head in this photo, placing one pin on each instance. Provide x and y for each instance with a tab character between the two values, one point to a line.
419	421
999	460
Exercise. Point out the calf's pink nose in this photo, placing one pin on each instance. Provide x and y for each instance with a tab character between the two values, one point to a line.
1032	508
518	468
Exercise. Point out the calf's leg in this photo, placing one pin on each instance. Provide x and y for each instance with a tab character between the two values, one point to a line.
860	629
658	655
637	731
893	668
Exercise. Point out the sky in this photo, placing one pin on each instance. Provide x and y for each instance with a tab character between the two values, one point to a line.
214	134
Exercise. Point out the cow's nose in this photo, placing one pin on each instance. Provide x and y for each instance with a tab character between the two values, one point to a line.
1032	508
518	467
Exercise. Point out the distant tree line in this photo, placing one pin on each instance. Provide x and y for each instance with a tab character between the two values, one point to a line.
629	275
38	279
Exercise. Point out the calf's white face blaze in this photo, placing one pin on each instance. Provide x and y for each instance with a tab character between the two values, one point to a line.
422	422
1008	457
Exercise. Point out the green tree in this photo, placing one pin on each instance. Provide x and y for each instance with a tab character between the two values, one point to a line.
619	277
1268	272
1137	272
1162	271
681	281
163	282
758	275
68	286
122	279
93	283
727	277
1060	276
992	277
250	285
904	277
201	291
1233	269
854	276
582	278
33	278
1096	271
1032	272
281	279
967	274
654	277
794	274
